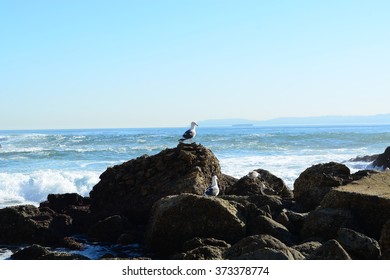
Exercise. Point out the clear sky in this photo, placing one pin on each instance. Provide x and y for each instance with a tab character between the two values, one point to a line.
93	64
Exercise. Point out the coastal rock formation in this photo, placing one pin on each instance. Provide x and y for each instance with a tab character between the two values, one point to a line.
158	200
203	249
367	199
70	204
315	182
28	224
130	189
324	223
262	247
176	219
331	250
383	160
37	252
266	183
384	241
358	245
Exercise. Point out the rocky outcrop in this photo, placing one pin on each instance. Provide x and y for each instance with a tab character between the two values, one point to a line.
72	205
315	182
176	219
158	200
28	224
384	241
367	199
265	183
37	252
131	189
324	223
331	250
358	245
262	247
203	249
383	160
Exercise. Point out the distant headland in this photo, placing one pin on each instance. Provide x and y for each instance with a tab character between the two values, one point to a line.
320	120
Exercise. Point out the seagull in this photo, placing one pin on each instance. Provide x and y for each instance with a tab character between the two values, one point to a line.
189	134
213	190
253	174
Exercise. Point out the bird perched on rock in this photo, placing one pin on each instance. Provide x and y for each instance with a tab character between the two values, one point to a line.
213	190
254	175
190	133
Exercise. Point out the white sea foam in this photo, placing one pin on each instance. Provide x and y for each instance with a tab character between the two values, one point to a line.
287	167
18	188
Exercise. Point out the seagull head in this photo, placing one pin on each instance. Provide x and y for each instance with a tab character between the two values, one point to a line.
193	124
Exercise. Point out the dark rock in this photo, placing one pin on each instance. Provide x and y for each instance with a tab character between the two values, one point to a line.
72	205
261	247
266	183
37	252
362	173
366	158
331	250
203	249
291	220
27	224
383	160
60	202
384	241
325	223
107	230
315	182
358	245
265	225
71	243
307	248
199	242
368	199
131	189
176	219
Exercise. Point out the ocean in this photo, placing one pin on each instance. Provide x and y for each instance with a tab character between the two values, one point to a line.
35	163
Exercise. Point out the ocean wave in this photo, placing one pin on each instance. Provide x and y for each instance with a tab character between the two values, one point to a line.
18	188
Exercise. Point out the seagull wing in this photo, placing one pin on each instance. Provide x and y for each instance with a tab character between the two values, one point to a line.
188	135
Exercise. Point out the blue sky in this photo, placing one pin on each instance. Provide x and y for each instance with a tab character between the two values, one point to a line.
92	64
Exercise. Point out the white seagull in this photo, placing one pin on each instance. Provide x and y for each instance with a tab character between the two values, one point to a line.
189	134
213	190
253	174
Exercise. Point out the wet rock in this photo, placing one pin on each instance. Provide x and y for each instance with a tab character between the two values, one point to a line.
331	250
37	252
176	219
130	189
358	245
315	182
